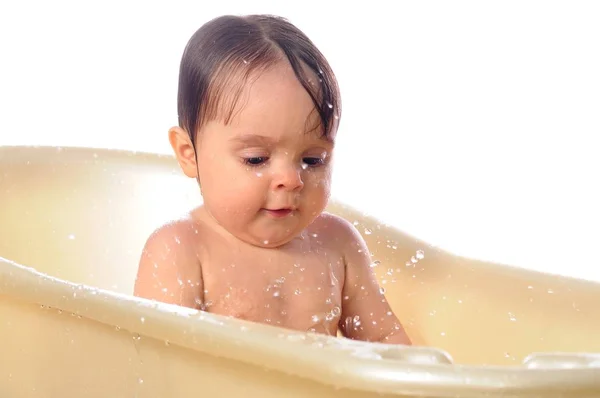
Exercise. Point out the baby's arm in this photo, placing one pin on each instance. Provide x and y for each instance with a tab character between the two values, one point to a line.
169	270
366	314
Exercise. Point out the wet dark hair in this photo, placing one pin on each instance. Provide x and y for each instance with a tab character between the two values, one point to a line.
230	47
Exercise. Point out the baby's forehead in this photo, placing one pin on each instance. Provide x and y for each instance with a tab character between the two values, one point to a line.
272	100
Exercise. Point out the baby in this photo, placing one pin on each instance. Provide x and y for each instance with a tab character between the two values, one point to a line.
259	108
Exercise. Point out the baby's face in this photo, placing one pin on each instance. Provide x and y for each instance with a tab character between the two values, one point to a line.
266	176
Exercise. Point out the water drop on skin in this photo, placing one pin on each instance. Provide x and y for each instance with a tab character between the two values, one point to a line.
382	290
368	231
266	242
512	317
420	254
259	174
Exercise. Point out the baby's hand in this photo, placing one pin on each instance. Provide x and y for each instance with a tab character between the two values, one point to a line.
366	314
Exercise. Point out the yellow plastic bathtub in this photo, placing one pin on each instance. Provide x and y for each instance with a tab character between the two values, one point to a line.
72	225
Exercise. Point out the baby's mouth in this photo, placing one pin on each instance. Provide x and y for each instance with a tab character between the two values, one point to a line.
279	213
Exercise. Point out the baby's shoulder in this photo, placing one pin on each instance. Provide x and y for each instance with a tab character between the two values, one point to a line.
178	236
337	231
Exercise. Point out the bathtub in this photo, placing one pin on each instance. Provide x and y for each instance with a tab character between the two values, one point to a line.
72	225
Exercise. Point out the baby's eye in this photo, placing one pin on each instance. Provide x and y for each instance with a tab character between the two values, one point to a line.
255	161
312	161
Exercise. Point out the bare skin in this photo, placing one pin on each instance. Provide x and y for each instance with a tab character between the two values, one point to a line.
260	247
319	281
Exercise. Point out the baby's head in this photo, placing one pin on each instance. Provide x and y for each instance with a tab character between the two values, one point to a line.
259	108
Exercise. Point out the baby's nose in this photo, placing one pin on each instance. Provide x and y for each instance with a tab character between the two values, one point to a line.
289	178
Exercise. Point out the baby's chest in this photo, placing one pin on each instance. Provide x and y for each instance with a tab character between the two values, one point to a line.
277	290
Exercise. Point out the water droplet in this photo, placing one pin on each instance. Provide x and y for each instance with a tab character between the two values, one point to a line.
329	105
140	380
259	174
142	319
512	317
375	263
382	290
304	166
167	343
389	313
276	294
266	242
413	260
368	231
177	240
550	291
336	311
297	292
315	318
420	254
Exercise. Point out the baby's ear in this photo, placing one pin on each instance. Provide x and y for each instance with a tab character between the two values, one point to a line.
184	151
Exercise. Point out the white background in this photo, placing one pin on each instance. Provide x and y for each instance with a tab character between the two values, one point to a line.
470	124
